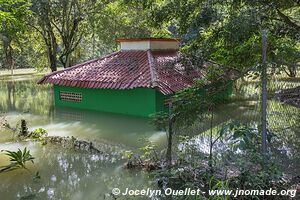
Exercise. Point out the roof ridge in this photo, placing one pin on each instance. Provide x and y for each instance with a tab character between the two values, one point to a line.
152	69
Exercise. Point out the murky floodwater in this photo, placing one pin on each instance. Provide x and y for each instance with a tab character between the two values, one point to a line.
66	174
283	122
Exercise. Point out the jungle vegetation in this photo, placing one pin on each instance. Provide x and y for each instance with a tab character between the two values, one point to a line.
59	33
52	33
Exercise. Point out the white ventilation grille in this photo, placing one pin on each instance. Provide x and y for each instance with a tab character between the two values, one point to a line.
70	96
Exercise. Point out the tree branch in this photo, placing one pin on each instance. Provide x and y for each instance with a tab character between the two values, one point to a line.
287	20
297	2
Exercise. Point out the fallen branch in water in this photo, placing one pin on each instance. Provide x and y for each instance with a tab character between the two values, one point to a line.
6	125
74	143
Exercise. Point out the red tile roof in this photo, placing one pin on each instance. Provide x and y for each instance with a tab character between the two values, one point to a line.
126	70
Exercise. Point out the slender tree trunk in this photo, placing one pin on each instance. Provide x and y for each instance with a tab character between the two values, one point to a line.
211	142
264	93
170	138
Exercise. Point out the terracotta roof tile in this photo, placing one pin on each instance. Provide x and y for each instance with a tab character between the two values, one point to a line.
126	70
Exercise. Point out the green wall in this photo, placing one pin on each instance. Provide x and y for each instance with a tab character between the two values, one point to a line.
139	101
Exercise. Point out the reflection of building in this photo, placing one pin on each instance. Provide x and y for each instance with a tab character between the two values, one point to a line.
98	126
105	121
134	80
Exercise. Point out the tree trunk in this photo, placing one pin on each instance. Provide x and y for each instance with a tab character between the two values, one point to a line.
67	64
210	162
170	138
52	61
169	149
50	41
8	51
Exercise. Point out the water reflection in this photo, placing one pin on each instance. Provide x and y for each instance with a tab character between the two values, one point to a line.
25	96
66	174
25	99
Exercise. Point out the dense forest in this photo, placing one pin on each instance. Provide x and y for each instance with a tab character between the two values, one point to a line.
46	33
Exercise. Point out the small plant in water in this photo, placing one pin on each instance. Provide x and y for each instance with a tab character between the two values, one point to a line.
39	135
18	159
37	176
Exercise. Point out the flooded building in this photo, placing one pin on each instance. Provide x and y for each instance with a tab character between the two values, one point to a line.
134	80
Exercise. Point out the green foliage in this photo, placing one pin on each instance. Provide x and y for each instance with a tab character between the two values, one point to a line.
160	120
188	152
13	14
149	153
70	31
241	136
39	135
229	32
18	159
243	152
40	132
238	164
194	103
128	155
216	184
36	177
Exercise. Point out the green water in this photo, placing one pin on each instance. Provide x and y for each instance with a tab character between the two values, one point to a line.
66	174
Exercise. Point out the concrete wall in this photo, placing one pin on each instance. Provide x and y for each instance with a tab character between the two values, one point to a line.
146	45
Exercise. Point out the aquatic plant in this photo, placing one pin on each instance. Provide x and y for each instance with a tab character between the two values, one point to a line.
36	177
18	159
39	135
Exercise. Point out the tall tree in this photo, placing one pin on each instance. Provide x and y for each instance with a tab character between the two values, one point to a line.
41	10
62	24
228	31
13	14
68	17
